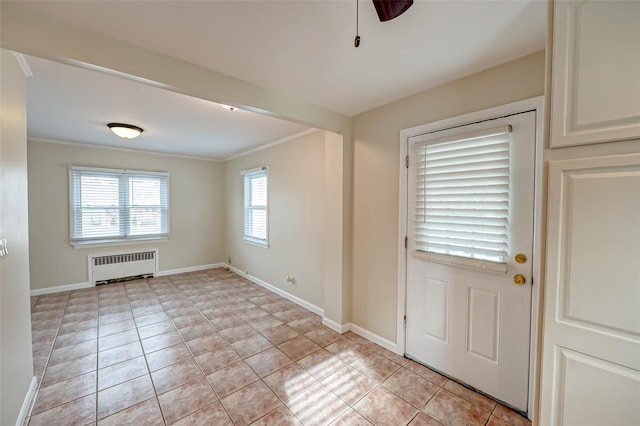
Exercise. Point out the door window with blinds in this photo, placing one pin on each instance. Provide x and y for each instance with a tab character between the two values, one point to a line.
256	213
462	199
113	205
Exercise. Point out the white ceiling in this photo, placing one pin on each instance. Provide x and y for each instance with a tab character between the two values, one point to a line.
71	104
302	48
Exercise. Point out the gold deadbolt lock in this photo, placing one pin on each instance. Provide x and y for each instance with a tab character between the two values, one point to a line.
520	258
519	279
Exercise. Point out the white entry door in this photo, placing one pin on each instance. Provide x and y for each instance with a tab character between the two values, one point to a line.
470	242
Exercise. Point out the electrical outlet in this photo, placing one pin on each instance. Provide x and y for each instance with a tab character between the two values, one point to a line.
4	251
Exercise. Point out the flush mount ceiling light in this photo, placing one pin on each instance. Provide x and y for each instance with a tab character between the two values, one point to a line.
125	131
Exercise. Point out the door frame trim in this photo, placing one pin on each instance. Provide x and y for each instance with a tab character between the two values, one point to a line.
533	104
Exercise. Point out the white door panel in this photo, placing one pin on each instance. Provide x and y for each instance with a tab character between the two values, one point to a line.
435	297
483	320
466	317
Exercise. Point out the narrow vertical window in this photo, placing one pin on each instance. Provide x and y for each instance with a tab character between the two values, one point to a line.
256	213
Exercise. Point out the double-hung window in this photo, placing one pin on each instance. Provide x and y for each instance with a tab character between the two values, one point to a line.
113	205
256	214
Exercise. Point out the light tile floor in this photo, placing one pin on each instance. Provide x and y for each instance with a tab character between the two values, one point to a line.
210	348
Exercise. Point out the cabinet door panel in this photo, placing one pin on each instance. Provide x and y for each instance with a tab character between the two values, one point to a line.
592	293
596	72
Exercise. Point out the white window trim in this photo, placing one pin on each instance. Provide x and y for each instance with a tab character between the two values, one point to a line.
248	238
112	243
107	242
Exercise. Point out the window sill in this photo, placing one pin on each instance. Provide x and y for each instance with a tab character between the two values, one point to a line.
112	243
446	259
256	242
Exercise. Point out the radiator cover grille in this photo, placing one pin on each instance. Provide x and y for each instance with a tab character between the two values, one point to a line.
105	268
123	258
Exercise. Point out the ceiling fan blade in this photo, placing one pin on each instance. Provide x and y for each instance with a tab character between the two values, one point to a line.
389	9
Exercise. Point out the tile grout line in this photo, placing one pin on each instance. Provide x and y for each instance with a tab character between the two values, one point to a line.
192	356
46	365
144	354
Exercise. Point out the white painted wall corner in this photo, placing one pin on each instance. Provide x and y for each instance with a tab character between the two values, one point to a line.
387	344
340	328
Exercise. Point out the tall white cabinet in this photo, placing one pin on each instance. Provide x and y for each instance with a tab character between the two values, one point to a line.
591	338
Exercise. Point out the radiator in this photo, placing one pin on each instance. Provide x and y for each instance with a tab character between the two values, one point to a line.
104	268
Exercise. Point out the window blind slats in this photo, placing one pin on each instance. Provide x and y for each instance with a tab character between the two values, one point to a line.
117	204
467	190
472	156
463	251
256	202
462	151
147	206
461	236
468	180
462	196
441	197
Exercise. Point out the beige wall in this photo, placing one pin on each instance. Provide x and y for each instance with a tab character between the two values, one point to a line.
196	210
16	370
376	176
297	211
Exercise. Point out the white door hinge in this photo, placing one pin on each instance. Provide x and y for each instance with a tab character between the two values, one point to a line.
406	161
406	242
404	321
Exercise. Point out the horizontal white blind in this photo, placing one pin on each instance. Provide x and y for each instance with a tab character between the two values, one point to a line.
148	205
255	205
113	204
462	199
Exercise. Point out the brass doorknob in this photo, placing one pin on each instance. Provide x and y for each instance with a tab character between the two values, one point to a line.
520	258
519	279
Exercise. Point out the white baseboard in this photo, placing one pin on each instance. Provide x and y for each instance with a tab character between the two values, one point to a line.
313	308
27	403
340	328
387	344
68	287
60	288
191	269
